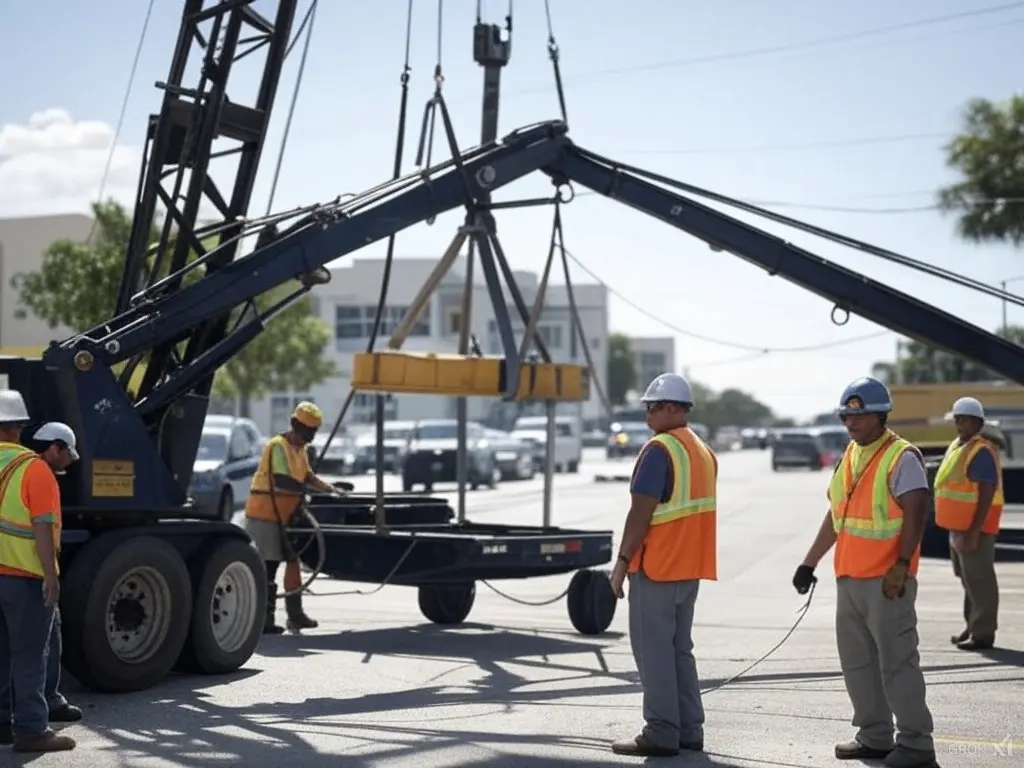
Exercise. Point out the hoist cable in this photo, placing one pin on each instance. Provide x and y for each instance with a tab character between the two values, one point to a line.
835	237
425	150
558	241
104	178
403	119
554	53
311	18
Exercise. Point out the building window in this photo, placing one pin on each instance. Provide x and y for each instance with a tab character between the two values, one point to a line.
453	322
281	407
652	360
356	322
364	407
551	335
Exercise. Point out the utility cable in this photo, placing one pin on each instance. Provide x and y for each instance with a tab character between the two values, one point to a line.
554	54
805	45
311	17
121	116
721	342
832	144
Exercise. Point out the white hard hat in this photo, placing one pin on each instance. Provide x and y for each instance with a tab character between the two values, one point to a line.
969	406
56	430
668	388
12	407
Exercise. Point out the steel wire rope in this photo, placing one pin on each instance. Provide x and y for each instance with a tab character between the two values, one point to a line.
132	72
835	237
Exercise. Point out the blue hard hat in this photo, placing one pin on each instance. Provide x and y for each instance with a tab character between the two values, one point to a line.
865	395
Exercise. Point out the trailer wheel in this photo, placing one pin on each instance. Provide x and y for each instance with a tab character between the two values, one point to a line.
591	602
227	620
125	613
447	603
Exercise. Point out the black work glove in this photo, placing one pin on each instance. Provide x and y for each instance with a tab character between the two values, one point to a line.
804	579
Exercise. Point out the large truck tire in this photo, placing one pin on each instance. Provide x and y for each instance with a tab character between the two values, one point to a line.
126	607
230	597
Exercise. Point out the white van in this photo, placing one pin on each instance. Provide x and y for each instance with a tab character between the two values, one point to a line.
568	440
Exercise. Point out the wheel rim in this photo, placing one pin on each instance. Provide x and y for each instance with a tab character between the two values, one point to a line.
138	615
233	607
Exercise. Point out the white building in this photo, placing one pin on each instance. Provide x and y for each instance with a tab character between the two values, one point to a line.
22	243
652	355
348	304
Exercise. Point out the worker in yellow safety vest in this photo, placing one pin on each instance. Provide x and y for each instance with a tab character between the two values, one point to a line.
969	504
878	507
30	524
277	490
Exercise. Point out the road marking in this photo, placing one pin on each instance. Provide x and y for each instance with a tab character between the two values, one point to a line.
1004	743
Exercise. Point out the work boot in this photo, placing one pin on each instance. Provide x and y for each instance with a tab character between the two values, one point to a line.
269	627
903	757
691	746
961	638
297	618
854	750
641	746
974	644
66	713
47	741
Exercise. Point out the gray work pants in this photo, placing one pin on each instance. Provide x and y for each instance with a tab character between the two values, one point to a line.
660	629
877	640
977	572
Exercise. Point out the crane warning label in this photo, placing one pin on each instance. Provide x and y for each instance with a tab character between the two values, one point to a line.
113	478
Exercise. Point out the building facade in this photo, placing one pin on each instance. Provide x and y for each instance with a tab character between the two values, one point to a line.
22	243
652	355
348	304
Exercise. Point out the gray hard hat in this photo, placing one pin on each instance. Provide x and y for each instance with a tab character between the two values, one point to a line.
12	408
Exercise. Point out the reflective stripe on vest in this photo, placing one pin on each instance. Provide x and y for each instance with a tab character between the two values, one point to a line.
680	504
279	506
865	516
17	539
956	496
681	541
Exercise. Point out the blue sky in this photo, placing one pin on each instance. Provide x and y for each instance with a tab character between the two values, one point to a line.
735	96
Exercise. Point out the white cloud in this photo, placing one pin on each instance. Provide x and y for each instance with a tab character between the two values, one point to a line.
54	164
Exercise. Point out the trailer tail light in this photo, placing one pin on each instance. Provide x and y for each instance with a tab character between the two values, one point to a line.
561	547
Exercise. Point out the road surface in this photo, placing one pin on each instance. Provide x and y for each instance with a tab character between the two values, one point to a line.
515	686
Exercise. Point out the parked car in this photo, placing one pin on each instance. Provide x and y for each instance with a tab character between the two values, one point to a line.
340	457
813	447
513	457
568	440
701	430
626	439
228	456
430	457
396	440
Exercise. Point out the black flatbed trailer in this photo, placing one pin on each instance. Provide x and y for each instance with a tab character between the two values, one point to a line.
425	547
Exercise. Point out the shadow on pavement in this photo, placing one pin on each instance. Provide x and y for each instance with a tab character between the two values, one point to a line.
185	722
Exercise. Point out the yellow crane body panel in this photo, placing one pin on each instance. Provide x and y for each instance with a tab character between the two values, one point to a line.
432	374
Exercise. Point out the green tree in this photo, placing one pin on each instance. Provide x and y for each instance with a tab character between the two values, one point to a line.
921	363
988	154
621	368
76	287
730	407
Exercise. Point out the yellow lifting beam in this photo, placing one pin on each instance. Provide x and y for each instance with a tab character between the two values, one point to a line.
427	373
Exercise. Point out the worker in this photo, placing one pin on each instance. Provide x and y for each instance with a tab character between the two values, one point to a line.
668	546
277	491
878	499
969	504
30	522
50	442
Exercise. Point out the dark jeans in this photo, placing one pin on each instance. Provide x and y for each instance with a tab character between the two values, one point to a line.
26	624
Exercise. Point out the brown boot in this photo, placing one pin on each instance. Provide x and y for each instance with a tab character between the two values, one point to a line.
47	741
297	618
641	746
269	627
854	750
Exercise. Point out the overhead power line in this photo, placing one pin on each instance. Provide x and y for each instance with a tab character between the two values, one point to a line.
757	350
805	145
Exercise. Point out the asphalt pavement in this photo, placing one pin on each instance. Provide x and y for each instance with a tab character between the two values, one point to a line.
516	686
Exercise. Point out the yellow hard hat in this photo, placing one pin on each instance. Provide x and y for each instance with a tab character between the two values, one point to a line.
308	414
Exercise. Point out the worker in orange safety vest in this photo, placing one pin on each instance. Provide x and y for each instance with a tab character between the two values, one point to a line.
878	507
668	546
277	490
969	504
